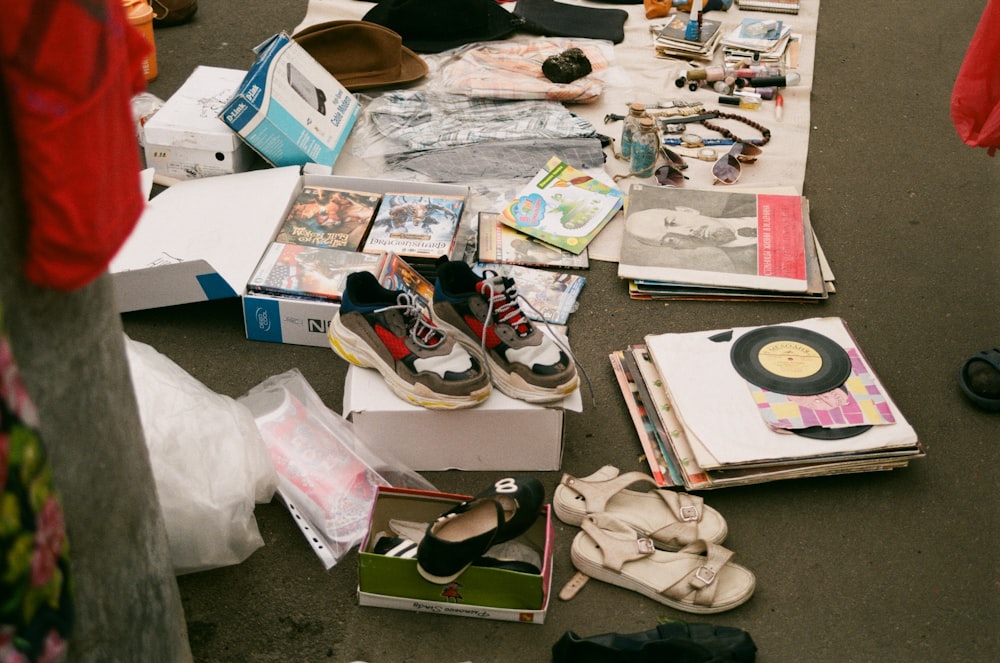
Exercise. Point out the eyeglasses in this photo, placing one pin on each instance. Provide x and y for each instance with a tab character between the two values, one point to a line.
727	170
670	173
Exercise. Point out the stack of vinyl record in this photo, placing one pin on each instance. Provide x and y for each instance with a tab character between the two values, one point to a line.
754	404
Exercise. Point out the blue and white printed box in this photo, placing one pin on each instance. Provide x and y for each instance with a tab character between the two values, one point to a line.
289	108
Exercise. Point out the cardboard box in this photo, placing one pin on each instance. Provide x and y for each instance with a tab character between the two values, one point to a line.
289	108
480	592
303	321
502	434
202	239
185	139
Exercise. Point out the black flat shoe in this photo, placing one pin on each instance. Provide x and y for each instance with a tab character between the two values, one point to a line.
464	533
675	641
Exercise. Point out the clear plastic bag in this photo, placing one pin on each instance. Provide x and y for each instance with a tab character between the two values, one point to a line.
327	476
209	463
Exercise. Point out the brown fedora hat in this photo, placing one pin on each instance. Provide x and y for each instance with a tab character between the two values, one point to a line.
360	54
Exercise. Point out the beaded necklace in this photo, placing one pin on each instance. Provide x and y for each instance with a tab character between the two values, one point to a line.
760	142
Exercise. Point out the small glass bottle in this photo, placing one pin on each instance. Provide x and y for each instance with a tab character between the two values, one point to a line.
630	126
645	146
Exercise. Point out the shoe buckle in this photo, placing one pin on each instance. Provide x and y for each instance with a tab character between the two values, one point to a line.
689	513
705	574
645	545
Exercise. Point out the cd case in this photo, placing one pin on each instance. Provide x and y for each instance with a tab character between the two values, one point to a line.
295	270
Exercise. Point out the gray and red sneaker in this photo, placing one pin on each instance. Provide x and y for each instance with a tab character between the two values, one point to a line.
386	330
483	314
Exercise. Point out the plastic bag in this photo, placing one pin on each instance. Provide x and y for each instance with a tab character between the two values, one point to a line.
975	99
209	463
327	476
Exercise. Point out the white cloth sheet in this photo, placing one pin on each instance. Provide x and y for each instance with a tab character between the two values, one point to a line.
649	79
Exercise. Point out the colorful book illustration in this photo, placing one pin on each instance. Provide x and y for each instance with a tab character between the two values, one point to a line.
313	272
415	225
329	217
551	296
498	243
397	274
563	206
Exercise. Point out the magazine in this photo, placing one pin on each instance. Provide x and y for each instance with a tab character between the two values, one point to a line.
563	206
415	225
551	296
311	272
502	244
329	217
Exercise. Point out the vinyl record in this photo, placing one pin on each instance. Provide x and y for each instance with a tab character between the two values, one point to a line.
820	433
790	360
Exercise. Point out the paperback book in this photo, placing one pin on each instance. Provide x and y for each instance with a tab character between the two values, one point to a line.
329	217
498	243
672	39
551	296
721	239
414	225
309	272
563	206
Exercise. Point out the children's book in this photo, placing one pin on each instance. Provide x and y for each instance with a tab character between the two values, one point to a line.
550	296
329	217
311	272
563	206
415	225
502	244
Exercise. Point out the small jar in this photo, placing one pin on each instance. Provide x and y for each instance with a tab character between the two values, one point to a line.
630	126
645	147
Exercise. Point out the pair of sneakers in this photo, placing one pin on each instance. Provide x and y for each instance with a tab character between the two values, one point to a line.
474	335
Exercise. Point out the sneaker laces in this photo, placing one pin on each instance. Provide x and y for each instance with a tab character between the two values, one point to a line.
510	312
422	331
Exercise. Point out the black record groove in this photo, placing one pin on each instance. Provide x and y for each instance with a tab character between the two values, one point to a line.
821	433
790	360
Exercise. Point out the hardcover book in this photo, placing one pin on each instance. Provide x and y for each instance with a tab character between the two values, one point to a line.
717	238
311	272
563	206
414	225
498	243
329	217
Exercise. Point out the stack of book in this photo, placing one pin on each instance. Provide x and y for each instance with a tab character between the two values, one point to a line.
729	245
772	6
672	41
749	405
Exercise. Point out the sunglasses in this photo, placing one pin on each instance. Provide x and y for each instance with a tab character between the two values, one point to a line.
669	174
727	170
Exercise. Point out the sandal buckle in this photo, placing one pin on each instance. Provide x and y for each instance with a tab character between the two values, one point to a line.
705	574
645	546
689	514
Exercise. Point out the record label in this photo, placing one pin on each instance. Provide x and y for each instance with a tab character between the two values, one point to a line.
790	360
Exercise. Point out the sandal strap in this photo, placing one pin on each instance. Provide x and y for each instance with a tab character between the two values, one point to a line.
618	542
687	510
701	580
597	494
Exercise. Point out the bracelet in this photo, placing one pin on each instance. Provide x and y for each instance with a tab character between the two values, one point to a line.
760	142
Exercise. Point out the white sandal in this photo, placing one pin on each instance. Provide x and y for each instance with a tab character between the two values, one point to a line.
672	519
700	578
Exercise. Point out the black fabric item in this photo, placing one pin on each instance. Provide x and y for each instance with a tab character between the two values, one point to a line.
676	641
432	26
549	18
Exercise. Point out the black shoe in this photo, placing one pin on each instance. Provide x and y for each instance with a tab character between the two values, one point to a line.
464	533
675	641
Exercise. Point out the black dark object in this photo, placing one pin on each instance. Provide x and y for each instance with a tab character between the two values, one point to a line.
567	66
676	641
